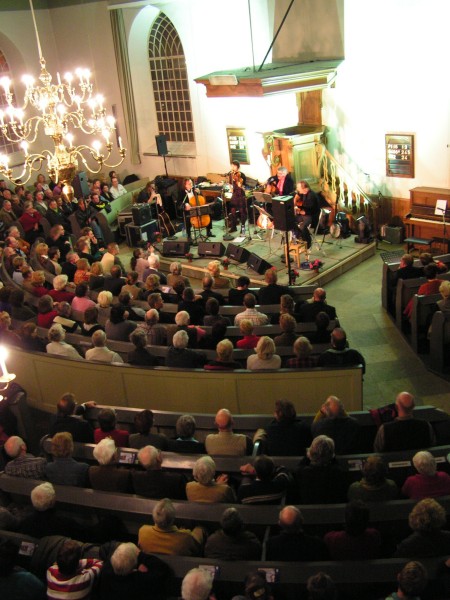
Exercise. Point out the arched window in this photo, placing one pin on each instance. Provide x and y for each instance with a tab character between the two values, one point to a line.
6	147
170	82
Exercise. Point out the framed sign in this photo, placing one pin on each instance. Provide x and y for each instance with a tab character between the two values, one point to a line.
399	155
237	145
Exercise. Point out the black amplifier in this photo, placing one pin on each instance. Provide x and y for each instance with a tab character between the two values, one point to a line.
141	213
136	234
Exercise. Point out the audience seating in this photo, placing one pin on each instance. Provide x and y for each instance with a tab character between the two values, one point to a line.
440	343
422	313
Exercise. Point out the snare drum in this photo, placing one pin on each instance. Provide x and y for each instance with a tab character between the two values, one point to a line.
335	230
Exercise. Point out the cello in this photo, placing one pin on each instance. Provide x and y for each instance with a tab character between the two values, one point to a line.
199	221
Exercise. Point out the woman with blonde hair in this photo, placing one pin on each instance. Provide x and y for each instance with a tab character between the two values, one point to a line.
219	282
249	340
96	277
224	360
303	358
82	273
38	284
265	357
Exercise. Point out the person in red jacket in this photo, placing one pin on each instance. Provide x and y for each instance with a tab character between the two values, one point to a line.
30	222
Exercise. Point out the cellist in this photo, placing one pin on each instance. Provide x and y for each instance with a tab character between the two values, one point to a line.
188	194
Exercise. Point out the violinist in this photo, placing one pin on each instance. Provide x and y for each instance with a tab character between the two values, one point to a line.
306	210
238	200
280	184
188	195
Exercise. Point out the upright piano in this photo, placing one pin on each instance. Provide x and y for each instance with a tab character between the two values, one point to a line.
422	222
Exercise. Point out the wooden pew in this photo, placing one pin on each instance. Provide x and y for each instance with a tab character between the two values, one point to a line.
440	343
423	309
406	289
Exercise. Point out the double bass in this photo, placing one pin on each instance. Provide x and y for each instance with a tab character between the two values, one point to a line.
203	220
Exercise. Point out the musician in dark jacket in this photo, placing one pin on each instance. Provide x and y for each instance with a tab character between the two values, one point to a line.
189	198
307	210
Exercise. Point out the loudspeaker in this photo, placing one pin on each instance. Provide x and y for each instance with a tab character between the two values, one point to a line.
161	145
80	185
175	248
237	253
141	213
393	235
283	213
211	249
123	221
136	234
258	264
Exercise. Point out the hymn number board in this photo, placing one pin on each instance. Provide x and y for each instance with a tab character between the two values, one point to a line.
399	155
237	145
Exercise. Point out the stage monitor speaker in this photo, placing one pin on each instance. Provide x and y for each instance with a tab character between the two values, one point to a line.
161	145
237	253
211	249
80	185
137	234
122	222
283	213
141	213
258	264
175	248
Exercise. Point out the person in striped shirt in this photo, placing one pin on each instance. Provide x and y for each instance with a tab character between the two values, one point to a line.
71	577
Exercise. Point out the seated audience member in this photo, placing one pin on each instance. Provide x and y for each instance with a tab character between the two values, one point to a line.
333	421
82	302
303	359
207	294
104	303
406	269
427	259
71	575
218	334
374	486
107	429
404	432
108	476
155	332
256	587
118	327
7	336
90	322
197	585
428	483
164	537
38	287
249	340
192	306
100	352
58	346
322	334
131	286
96	279
21	463
232	541
185	440
111	258
270	483
412	581
154	481
64	317
59	293
151	286
286	435
287	306
206	488
18	263
64	470
29	339
321	587
250	312
309	310
156	301
27	276
212	315
224	360
70	266
339	355
140	355
153	268
143	422
69	417
292	543
357	541
182	357
236	295
226	442
82	274
426	519
130	573
219	282
442	305
114	282
265	357
19	311
288	335
320	479
426	289
272	292
176	269
16	582
135	313
46	312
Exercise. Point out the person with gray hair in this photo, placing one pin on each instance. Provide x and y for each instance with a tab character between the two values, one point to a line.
196	585
185	440
332	421
182	357
320	479
108	476
140	355
164	537
58	346
154	481
154	269
232	541
100	352
292	543
175	275
155	332
206	488
23	464
428	482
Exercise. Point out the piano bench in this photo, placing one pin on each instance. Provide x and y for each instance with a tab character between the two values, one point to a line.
416	241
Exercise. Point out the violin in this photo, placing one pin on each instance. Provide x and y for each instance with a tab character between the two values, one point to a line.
203	220
236	178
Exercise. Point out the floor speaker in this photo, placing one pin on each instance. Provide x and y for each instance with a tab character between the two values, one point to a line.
141	213
80	185
283	213
258	264
211	249
237	253
175	248
161	145
136	234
